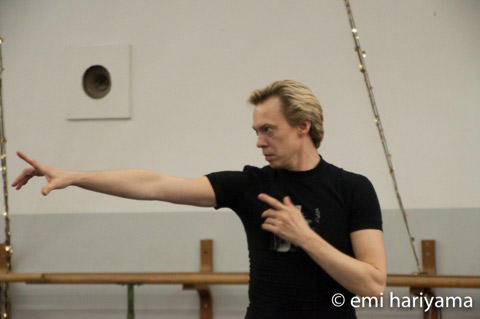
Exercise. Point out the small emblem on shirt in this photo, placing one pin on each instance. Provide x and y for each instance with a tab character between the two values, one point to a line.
281	245
317	215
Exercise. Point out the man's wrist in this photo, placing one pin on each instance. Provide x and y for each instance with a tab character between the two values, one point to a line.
75	178
309	240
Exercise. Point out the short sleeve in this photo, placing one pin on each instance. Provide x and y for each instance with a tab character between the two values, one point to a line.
365	209
228	187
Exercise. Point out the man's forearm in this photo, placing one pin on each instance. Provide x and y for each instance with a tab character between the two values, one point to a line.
129	183
356	276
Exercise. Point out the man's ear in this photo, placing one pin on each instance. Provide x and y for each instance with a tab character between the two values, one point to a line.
304	127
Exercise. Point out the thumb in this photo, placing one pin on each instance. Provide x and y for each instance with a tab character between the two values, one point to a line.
47	189
287	201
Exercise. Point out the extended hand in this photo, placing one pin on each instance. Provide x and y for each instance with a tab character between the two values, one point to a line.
285	220
56	178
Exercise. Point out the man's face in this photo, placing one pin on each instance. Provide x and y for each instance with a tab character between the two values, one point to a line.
279	141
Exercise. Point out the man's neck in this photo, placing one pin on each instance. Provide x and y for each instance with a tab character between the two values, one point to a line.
306	161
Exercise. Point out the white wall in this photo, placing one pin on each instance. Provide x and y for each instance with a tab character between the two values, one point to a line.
193	66
195	63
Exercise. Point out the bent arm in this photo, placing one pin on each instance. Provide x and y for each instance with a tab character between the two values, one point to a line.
364	275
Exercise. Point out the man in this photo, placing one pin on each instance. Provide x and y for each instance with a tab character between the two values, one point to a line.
314	230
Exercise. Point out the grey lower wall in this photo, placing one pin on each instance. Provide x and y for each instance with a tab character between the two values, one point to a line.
161	242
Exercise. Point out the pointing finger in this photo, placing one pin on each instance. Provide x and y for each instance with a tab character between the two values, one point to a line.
270	201
27	159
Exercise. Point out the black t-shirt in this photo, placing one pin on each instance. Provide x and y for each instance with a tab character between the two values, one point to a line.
285	282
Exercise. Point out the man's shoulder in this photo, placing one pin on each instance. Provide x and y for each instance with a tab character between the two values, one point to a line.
353	179
348	177
351	182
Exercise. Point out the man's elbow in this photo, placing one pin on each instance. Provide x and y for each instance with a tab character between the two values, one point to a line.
375	288
376	291
379	291
378	288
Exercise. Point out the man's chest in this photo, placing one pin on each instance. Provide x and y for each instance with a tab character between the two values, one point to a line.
321	204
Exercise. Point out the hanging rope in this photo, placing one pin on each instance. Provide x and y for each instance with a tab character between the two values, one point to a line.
4	297
363	69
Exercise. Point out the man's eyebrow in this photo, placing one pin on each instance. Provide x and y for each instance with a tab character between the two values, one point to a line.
263	125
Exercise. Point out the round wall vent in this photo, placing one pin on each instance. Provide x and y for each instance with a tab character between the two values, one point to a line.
96	82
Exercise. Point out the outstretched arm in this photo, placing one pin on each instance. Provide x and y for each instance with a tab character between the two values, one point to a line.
130	183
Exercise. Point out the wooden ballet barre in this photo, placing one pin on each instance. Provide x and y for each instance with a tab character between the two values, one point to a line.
217	278
444	281
200	281
187	278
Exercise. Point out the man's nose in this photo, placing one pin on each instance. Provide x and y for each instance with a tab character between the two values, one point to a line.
261	142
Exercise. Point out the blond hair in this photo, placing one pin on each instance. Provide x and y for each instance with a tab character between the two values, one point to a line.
298	105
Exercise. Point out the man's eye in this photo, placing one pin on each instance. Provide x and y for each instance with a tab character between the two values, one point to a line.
264	130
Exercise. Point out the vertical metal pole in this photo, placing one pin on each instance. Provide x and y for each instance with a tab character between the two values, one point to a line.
363	68
130	299
5	307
